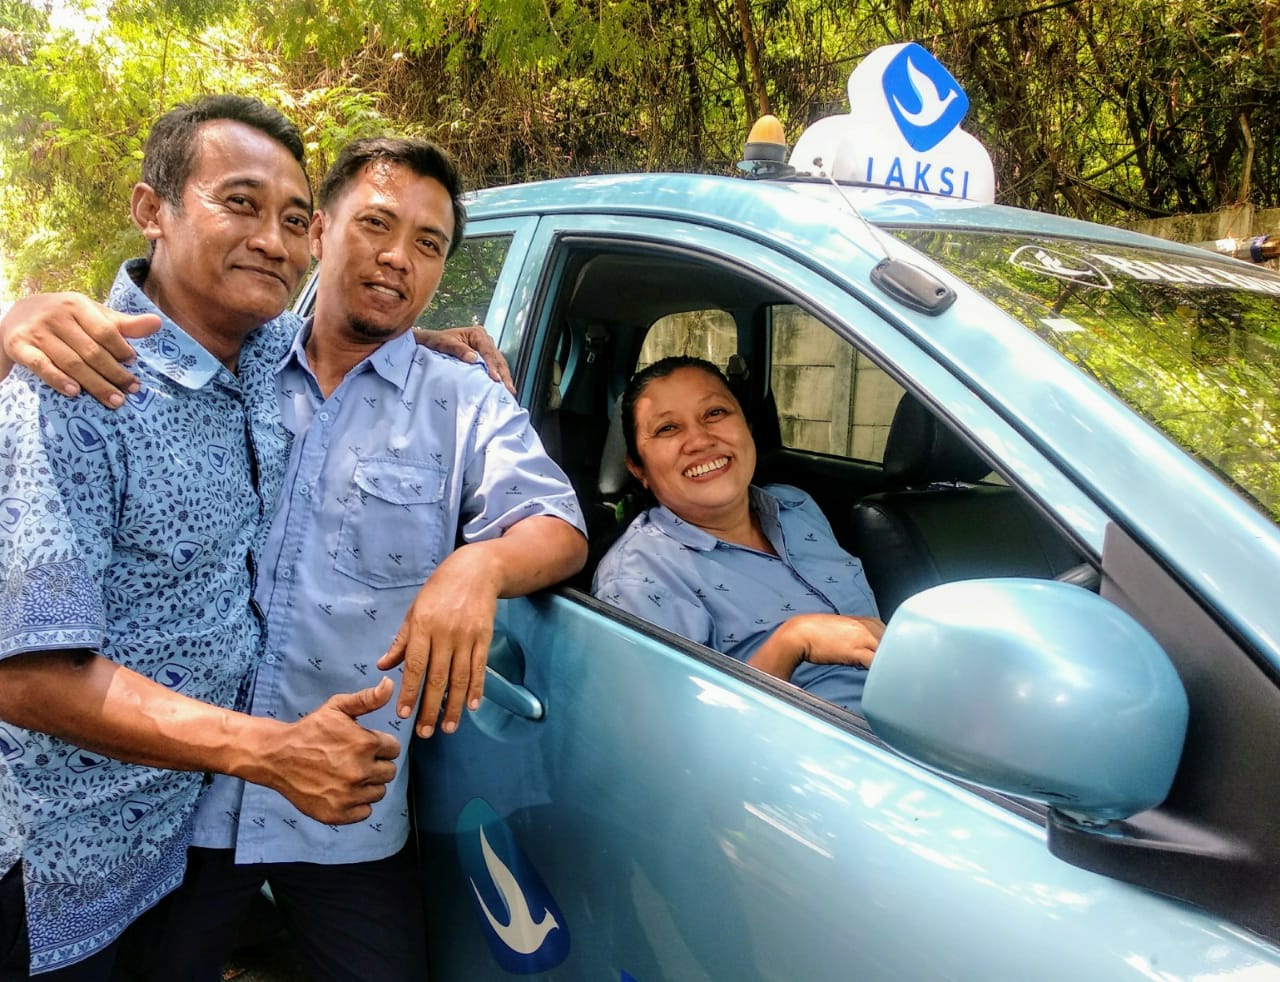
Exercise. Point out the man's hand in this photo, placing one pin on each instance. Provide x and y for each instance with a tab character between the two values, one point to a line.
466	344
326	764
331	768
444	638
73	343
446	633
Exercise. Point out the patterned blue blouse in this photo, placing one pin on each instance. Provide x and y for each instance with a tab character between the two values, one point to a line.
131	533
730	597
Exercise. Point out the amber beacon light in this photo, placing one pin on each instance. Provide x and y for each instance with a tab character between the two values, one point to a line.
765	154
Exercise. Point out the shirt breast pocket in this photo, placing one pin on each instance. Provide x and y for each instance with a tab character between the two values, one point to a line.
392	531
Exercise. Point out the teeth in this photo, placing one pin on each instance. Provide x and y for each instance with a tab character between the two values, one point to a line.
384	289
707	468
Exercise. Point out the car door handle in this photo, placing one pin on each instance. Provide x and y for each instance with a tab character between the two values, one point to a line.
510	696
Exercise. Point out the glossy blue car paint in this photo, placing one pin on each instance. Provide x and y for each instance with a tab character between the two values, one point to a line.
688	819
1034	688
779	846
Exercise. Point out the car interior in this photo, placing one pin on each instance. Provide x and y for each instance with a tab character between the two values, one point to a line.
922	509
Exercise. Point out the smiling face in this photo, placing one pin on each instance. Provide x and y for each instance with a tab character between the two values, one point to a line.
696	453
382	243
230	255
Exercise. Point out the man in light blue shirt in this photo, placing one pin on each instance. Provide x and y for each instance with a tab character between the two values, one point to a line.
126	632
412	450
732	598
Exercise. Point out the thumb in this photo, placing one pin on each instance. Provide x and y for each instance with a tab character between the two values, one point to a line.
356	704
136	325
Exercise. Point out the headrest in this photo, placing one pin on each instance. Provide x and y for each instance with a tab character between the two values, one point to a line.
920	450
614	476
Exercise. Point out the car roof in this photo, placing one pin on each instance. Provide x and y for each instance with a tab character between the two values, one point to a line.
741	205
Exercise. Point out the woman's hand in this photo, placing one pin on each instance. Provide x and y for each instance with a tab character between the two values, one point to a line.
824	639
834	639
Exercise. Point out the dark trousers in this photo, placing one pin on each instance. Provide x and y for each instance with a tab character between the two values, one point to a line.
15	949
352	923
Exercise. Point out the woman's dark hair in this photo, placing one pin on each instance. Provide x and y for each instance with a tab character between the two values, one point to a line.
422	157
168	156
640	381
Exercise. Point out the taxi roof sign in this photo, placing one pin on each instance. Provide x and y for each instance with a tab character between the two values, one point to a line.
902	130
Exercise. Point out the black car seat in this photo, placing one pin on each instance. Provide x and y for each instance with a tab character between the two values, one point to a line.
939	524
619	496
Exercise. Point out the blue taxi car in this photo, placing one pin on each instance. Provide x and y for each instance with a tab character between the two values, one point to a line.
1055	447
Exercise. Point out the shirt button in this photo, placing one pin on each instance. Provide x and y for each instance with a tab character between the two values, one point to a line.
304	490
270	659
324	417
286	573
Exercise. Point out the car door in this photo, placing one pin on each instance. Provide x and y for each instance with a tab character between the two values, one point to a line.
627	805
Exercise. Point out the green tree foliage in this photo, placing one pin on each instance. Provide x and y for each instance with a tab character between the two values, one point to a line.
1099	111
75	108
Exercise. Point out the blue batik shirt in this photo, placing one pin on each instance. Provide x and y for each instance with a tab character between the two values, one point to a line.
731	597
411	451
128	532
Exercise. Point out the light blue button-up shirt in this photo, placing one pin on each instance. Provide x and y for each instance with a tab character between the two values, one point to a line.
412	450
130	533
730	597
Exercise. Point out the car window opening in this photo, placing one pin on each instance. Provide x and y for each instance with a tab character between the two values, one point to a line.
901	490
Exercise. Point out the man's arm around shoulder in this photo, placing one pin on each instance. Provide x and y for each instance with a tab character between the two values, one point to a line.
71	342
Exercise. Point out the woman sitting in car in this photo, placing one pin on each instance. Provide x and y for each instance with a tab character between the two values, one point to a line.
755	573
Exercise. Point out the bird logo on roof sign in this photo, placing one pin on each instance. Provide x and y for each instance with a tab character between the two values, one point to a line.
925	101
902	131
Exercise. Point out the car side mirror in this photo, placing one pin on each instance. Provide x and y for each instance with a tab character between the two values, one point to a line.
1033	688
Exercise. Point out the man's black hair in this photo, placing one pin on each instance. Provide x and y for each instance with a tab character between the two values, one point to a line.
422	157
168	156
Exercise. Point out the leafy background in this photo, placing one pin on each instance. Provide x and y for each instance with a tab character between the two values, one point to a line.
1110	112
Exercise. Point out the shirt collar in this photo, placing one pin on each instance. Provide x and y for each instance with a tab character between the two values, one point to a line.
392	360
764	503
170	351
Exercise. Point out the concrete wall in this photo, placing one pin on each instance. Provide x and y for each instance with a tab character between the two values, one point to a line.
1240	222
831	399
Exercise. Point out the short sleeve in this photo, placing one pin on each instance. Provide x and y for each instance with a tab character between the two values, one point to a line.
509	476
58	508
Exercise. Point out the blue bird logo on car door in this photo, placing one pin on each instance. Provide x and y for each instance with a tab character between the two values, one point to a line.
521	921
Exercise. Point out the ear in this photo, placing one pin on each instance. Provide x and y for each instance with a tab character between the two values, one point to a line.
636	471
145	207
316	235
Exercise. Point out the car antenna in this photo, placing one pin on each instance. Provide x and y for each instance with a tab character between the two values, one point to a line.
831	179
765	156
906	282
